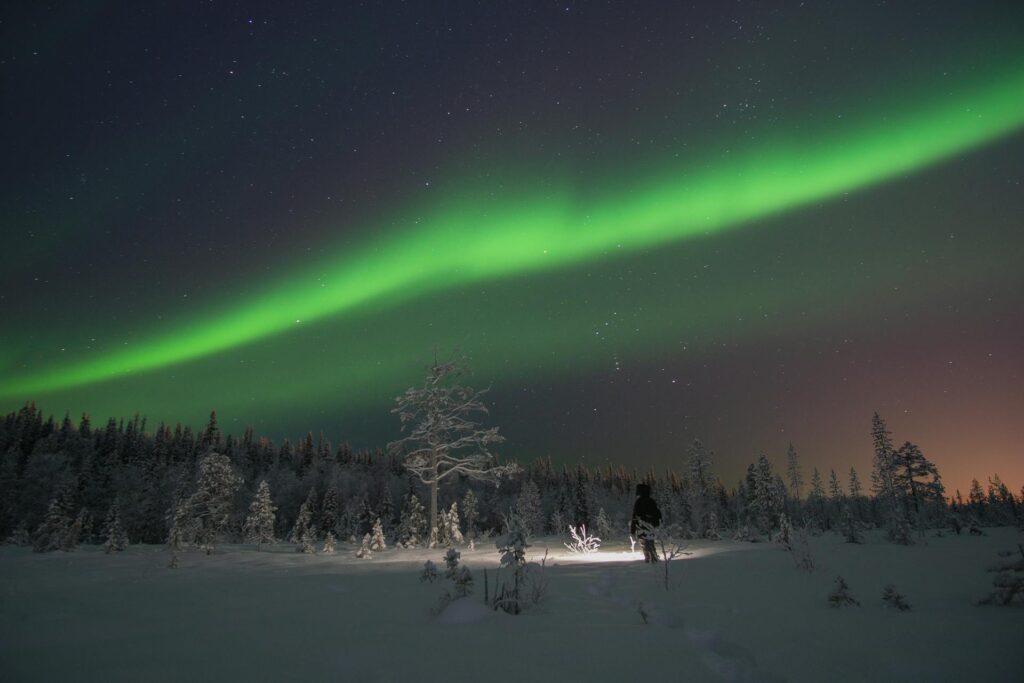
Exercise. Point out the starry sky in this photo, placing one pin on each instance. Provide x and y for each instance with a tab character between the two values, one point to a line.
644	223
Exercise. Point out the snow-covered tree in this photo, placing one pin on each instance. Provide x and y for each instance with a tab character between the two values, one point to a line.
450	532
75	531
259	524
51	533
528	508
796	478
213	501
115	538
377	537
766	501
305	544
329	541
471	513
443	439
329	510
895	600
413	524
700	485
304	521
840	595
884	480
602	525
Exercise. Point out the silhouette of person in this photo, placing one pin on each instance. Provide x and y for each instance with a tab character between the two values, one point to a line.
646	516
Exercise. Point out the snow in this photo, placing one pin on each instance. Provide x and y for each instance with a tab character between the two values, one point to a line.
735	612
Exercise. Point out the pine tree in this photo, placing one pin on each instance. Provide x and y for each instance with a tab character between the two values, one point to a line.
884	481
699	489
329	510
835	490
75	531
602	525
909	466
115	538
528	508
766	499
329	541
796	478
377	539
471	513
444	440
413	525
51	533
840	595
304	521
182	529
450	532
212	503
259	525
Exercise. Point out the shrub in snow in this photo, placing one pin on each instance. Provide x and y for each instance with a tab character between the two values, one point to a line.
512	546
329	541
364	551
115	539
1009	579
377	539
306	543
259	524
840	595
802	557
451	562
893	599
744	533
429	573
581	541
51	533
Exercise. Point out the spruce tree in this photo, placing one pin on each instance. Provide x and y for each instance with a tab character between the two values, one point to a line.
304	521
212	503
528	508
259	524
115	539
471	513
377	537
796	478
51	533
413	525
884	481
329	509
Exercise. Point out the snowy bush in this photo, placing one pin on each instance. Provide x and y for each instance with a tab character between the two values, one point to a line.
581	541
801	547
364	551
328	547
893	599
785	536
840	595
1009	579
429	573
377	540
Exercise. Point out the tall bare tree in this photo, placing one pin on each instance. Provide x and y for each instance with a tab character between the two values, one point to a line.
442	437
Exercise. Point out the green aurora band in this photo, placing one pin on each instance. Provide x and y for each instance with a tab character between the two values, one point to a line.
474	238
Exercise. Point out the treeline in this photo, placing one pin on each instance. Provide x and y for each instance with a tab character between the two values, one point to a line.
121	475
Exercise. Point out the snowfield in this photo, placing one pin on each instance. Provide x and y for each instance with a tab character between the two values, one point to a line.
734	612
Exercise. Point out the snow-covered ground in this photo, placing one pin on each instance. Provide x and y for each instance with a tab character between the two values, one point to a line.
734	611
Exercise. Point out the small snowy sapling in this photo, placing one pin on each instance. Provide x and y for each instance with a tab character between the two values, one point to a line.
329	541
840	595
582	542
1009	579
894	600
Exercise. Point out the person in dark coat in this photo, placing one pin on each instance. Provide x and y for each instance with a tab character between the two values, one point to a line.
646	516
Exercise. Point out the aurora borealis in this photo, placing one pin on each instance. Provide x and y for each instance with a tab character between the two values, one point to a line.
280	214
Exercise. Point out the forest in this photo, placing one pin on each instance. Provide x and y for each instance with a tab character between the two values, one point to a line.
63	483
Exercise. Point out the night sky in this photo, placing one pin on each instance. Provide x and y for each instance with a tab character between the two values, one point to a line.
644	223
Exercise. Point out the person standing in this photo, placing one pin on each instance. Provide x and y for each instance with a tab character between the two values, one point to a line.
646	517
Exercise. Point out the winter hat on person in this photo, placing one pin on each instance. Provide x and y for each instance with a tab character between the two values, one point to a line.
643	490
